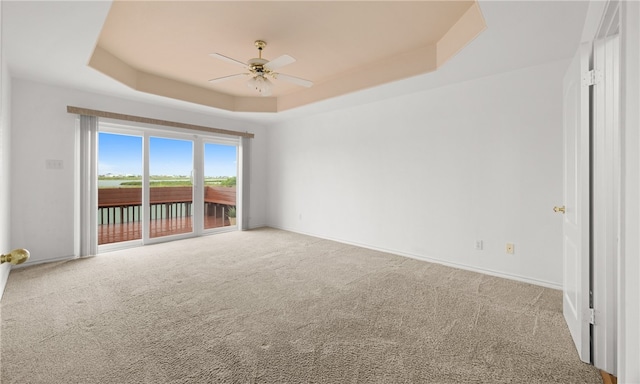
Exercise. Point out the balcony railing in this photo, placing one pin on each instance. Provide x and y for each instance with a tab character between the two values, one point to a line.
171	210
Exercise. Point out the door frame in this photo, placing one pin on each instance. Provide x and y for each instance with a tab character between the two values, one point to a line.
146	185
604	19
117	129
628	347
606	187
239	181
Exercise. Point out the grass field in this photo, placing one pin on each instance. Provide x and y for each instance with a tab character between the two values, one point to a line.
161	181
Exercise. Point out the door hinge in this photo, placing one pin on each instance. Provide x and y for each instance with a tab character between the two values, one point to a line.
592	77
592	316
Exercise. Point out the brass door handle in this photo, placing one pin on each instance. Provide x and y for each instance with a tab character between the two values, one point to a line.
559	209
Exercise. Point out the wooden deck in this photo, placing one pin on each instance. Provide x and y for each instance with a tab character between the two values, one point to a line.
170	211
114	233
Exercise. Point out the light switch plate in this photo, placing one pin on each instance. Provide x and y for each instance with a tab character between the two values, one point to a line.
53	164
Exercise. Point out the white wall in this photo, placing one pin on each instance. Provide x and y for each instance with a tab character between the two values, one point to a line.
427	174
629	284
42	218
5	156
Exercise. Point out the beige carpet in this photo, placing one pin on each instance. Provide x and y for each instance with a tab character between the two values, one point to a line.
268	306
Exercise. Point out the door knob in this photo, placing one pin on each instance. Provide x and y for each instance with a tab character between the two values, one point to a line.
559	209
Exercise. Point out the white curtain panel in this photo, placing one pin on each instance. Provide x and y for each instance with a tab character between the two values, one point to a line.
88	202
245	153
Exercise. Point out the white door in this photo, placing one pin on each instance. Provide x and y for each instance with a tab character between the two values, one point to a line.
576	201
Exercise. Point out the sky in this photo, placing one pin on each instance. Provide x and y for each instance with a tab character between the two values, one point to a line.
122	155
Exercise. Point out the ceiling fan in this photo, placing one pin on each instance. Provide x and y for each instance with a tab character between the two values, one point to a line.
260	70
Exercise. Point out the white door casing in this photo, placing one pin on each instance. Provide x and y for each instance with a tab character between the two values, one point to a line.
576	201
606	200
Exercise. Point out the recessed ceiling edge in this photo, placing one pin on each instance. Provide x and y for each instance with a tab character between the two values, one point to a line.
416	62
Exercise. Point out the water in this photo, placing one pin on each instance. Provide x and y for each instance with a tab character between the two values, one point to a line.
110	183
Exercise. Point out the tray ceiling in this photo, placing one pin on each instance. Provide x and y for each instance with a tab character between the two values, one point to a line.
163	47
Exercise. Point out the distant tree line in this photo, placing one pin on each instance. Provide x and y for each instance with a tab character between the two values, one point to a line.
230	182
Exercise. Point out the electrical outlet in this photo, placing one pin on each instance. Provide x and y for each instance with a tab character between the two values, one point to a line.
510	248
479	245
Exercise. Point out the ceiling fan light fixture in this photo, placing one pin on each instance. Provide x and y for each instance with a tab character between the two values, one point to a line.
260	84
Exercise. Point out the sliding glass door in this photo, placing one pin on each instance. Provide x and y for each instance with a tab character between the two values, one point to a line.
170	203
220	183
157	186
120	164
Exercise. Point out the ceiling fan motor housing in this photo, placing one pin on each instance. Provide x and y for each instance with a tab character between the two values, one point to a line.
257	65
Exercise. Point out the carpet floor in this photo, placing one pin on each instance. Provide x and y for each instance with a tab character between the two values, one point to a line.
270	306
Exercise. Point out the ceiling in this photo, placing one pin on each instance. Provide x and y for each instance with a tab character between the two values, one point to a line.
52	42
163	47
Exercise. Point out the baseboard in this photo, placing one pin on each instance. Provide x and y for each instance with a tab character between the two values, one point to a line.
6	268
45	261
436	260
4	277
256	226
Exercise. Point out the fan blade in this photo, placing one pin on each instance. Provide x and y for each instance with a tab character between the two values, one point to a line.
295	80
225	78
228	59
279	62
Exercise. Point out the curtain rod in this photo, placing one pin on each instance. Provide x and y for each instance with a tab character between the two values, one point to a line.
146	120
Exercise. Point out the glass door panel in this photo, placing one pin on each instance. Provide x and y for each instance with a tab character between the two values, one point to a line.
170	187
119	188
220	176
